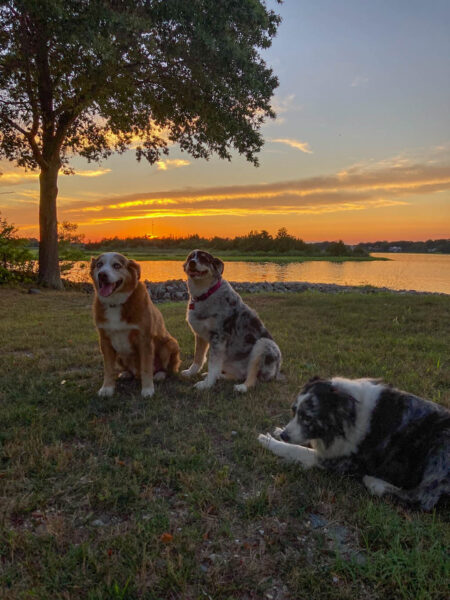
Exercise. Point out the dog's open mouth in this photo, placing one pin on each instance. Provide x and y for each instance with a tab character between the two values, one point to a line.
196	273
106	288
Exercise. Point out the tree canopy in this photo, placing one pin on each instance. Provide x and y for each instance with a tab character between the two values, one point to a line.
92	77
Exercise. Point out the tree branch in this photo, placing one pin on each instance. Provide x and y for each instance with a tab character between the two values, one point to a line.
28	135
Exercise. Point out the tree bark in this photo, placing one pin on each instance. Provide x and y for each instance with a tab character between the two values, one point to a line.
49	273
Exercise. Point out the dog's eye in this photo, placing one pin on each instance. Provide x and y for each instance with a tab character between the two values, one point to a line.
99	265
117	266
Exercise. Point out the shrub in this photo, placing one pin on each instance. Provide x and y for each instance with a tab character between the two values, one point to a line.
16	260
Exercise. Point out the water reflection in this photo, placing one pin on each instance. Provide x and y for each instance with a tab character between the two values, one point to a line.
422	272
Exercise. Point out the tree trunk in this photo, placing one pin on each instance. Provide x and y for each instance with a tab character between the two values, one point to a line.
49	273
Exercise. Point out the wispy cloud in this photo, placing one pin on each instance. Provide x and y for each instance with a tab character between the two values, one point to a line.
16	177
359	81
356	189
282	105
97	173
302	146
164	165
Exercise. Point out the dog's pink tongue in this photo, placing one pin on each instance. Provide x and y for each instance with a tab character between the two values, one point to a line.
106	289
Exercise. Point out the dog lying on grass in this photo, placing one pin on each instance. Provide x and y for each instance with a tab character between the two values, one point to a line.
398	443
240	347
133	336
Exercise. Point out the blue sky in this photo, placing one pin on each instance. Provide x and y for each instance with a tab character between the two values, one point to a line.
372	77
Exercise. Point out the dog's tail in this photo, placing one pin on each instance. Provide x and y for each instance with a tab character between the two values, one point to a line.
169	354
174	358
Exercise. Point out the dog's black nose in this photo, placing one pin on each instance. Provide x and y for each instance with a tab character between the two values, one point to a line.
103	277
192	264
284	436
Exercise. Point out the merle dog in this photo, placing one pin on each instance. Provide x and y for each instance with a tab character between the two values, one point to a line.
398	443
240	347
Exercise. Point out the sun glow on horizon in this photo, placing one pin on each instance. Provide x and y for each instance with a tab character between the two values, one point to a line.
365	202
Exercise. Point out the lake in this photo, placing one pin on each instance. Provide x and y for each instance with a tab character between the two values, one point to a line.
421	272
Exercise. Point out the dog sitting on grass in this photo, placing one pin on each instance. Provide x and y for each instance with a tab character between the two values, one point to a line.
240	347
398	443
133	336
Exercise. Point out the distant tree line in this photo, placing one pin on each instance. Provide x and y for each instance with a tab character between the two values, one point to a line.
264	242
438	246
255	242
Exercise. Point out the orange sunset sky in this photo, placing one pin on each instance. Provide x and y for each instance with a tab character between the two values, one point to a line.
360	149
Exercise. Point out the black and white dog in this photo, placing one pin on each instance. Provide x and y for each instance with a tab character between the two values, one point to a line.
398	443
240	347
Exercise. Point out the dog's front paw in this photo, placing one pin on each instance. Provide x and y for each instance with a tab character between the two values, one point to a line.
147	392
125	375
193	370
240	387
203	385
106	391
378	487
277	433
159	376
264	439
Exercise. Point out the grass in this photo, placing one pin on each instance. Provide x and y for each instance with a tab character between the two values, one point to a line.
173	497
247	257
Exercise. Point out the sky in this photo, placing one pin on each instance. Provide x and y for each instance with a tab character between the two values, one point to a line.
359	151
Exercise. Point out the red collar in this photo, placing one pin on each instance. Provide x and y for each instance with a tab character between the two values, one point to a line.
206	295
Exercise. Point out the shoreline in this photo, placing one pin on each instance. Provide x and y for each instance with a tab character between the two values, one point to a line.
175	290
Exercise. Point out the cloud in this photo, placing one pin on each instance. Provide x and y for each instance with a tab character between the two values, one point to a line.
356	189
359	81
17	177
281	105
97	173
164	165
302	146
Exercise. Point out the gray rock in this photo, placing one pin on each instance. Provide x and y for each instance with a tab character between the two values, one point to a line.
98	523
317	521
176	289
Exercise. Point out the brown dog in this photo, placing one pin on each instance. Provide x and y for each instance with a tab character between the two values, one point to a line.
133	336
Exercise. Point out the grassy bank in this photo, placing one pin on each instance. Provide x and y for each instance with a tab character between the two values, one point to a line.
177	255
173	497
246	257
280	258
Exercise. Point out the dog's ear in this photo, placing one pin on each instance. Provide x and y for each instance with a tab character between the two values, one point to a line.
218	265
188	258
311	382
134	266
93	264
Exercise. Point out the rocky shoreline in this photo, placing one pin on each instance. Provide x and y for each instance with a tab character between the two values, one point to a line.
176	289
